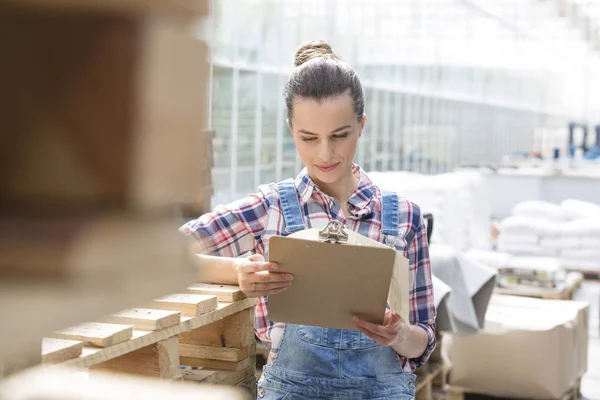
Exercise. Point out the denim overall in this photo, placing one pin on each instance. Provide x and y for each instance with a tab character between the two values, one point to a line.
324	363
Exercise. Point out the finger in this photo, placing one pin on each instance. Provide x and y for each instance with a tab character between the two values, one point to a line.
265	276
265	287
374	328
379	339
251	267
257	258
394	321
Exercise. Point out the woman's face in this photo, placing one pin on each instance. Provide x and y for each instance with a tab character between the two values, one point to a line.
326	134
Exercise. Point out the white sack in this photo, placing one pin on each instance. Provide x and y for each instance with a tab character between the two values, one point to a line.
539	209
509	239
592	255
527	226
576	209
554	244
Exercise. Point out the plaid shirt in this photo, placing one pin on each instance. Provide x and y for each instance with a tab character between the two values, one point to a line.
245	226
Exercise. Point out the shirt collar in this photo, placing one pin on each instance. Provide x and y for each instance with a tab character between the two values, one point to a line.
360	202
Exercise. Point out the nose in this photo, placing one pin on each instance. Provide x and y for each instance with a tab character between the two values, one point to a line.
326	150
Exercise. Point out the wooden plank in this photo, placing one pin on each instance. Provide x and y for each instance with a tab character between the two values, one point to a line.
235	331
29	356
145	319
217	353
186	8
59	383
159	360
94	355
192	305
217	377
97	333
59	350
217	364
224	293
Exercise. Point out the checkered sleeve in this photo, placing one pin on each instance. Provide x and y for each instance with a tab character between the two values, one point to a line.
233	229
422	306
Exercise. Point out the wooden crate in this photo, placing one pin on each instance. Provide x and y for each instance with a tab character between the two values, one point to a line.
564	292
224	352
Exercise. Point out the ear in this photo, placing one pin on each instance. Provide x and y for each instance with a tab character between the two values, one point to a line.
362	124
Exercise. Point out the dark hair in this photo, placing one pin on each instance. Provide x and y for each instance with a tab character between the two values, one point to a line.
320	74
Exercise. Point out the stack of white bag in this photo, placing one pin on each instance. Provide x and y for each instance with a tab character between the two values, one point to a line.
569	231
457	201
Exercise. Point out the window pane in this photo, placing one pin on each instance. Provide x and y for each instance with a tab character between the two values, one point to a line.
270	93
221	123
246	120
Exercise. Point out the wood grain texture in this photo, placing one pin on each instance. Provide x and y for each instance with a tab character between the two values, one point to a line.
159	360
235	331
181	8
217	353
59	350
59	383
224	293
96	334
217	364
191	305
95	355
145	319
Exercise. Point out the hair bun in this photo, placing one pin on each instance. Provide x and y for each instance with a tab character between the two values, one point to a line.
314	49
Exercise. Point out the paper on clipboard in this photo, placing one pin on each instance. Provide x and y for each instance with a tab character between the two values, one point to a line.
334	281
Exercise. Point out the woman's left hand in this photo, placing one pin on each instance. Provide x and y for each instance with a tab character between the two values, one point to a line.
390	333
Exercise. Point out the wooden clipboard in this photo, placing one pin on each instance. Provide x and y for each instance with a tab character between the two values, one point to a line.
337	275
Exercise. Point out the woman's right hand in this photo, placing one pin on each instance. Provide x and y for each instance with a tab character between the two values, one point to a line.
256	277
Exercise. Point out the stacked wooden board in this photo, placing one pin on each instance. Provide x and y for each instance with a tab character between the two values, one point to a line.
565	291
214	332
102	113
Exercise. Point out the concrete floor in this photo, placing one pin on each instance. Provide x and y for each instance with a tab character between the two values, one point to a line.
590	384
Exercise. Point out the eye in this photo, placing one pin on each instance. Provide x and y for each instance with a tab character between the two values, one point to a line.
341	135
308	139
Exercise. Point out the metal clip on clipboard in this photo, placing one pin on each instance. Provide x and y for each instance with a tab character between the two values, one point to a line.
333	233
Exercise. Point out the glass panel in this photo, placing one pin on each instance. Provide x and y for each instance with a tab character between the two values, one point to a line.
246	120
270	93
245	180
221	123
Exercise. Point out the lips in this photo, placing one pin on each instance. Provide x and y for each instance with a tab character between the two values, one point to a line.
327	167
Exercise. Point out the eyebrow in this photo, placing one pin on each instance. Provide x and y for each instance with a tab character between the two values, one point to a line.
341	128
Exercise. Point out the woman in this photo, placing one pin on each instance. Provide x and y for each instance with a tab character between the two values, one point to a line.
325	110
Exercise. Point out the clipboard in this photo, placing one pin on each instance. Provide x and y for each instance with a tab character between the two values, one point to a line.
337	275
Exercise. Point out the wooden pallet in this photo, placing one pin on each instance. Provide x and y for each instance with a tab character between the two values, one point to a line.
430	377
565	292
89	179
462	393
187	329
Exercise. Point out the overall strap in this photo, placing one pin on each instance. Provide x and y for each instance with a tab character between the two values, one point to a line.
292	213
390	219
